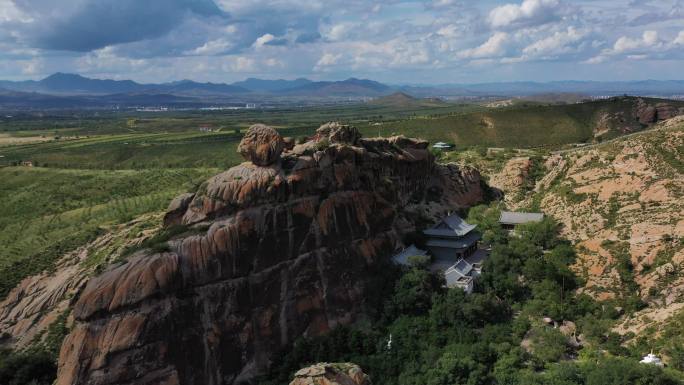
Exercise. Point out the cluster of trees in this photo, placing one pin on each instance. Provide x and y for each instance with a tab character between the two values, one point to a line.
426	334
27	368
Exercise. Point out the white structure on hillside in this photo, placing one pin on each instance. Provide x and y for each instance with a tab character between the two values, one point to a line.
442	146
652	359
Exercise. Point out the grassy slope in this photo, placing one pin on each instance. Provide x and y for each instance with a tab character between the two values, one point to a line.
523	125
47	212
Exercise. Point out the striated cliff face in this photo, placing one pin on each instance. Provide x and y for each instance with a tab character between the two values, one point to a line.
283	246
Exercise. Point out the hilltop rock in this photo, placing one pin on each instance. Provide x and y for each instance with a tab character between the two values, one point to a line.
336	132
331	374
261	145
278	252
406	143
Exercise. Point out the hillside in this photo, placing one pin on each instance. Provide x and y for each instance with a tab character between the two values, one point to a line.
621	204
523	125
400	99
288	241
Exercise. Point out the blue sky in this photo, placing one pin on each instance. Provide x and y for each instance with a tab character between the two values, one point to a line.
394	41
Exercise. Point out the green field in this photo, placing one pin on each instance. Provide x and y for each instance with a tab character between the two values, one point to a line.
163	140
47	212
522	125
174	139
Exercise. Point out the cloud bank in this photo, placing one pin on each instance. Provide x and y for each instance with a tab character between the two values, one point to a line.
398	41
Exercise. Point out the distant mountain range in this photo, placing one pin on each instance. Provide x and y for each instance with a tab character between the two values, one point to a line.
71	84
62	89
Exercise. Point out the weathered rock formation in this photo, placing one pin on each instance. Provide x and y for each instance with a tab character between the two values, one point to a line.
649	114
261	145
643	113
512	179
284	246
40	300
331	374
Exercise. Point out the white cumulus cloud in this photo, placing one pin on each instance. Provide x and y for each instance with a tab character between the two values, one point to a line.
559	43
495	46
679	40
528	12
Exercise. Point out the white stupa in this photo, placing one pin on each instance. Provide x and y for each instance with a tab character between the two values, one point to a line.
652	359
442	146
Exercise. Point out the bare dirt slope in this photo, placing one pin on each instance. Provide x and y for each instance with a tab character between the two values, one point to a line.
622	204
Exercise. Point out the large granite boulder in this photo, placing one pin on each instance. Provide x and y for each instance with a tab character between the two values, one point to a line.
261	145
331	374
336	132
273	254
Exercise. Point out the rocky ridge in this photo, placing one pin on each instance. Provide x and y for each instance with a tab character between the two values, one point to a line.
643	113
284	245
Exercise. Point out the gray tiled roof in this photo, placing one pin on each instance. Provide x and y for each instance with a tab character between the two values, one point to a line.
453	225
460	272
513	218
460	243
402	257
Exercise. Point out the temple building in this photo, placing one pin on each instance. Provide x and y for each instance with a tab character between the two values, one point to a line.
452	246
452	239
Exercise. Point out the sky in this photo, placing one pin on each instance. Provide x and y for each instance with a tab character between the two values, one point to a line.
393	41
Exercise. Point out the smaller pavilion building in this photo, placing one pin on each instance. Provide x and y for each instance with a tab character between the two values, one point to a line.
509	219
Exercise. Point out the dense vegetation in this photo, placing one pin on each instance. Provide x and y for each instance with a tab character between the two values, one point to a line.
496	335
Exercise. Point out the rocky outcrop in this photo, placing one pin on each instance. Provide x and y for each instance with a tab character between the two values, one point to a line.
262	145
331	374
40	300
338	133
627	114
648	114
512	179
283	248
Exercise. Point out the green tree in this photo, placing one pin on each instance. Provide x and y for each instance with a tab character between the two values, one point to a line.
413	293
